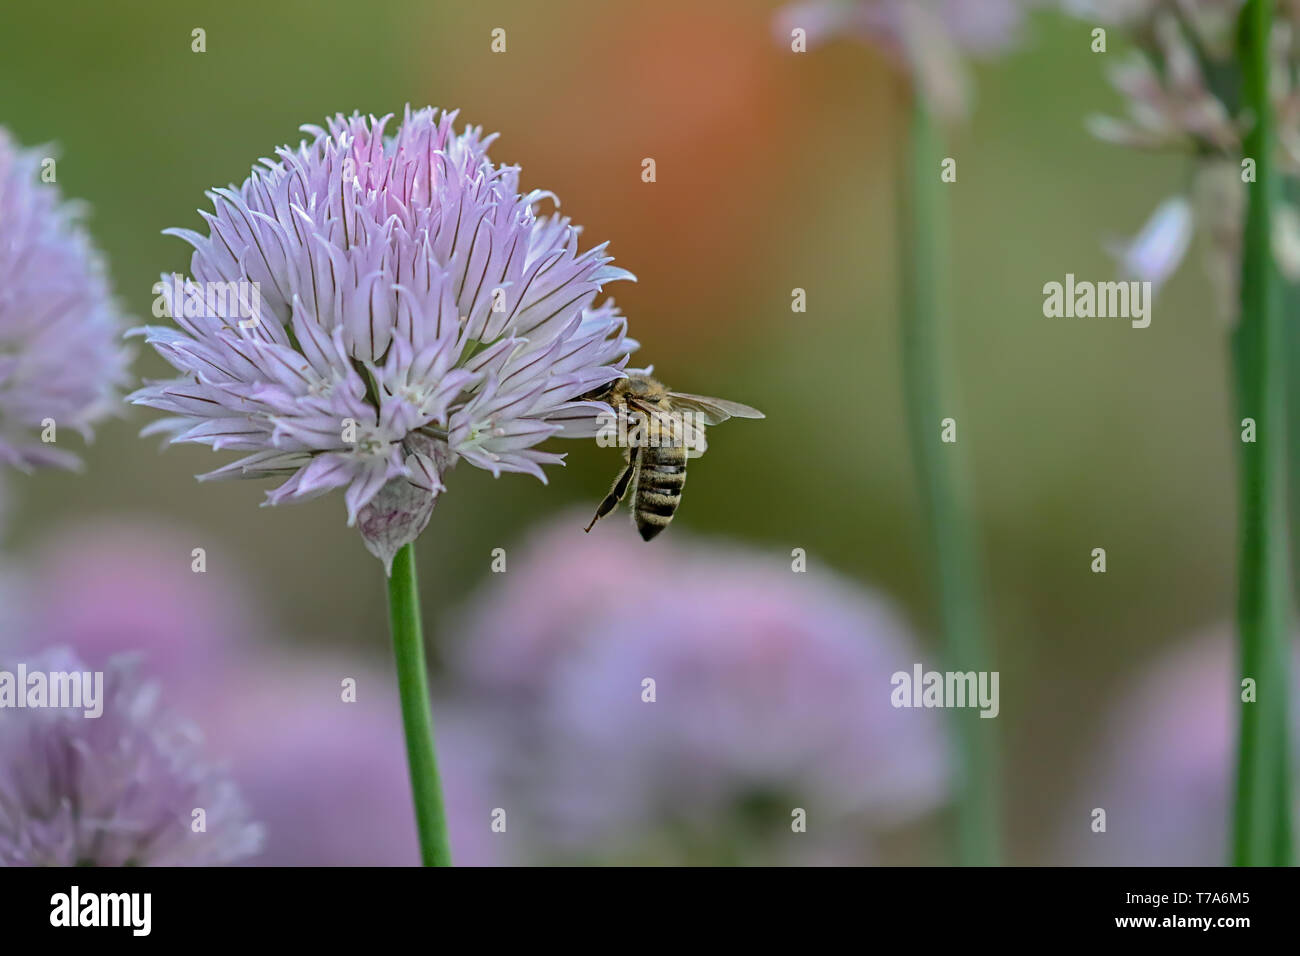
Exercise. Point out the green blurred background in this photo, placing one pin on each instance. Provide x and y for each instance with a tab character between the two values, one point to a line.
775	171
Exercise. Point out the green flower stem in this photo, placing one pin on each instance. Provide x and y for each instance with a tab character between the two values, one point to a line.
941	477
1291	329
417	721
1261	820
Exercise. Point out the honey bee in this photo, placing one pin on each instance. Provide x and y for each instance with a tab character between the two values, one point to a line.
665	428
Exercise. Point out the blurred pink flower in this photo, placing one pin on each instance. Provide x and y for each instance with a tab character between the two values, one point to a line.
1165	765
326	777
1181	90
121	585
61	360
772	693
119	788
929	37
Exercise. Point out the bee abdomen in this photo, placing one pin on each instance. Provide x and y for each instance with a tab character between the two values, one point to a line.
650	524
658	493
663	482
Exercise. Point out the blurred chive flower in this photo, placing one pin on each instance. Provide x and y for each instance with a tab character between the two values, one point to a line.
61	361
1181	85
115	790
414	309
118	586
930	38
771	692
324	776
1161	770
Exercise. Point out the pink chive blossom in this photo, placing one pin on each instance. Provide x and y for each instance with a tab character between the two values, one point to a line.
123	585
1179	82
325	777
771	691
321	767
61	361
1162	768
119	789
413	309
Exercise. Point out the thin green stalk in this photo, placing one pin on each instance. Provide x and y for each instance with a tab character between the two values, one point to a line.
1261	820
417	721
942	479
1291	329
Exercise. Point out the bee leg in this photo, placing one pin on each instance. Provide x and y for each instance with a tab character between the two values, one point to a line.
618	491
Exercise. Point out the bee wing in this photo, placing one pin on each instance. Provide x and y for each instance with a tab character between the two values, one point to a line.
676	429
694	440
715	410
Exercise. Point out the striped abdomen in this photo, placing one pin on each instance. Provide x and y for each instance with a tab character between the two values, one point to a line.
658	488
